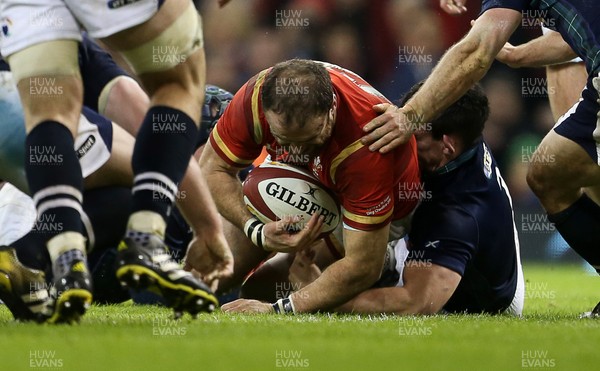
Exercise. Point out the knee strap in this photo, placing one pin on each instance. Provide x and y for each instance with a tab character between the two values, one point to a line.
172	47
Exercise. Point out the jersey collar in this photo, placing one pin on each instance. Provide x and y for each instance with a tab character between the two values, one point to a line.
457	162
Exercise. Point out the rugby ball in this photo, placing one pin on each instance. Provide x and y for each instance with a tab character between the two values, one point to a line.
274	190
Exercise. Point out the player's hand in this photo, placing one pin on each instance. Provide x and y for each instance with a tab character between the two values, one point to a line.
455	7
388	130
247	306
278	236
209	257
303	270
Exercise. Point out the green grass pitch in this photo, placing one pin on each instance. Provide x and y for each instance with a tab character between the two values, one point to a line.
550	335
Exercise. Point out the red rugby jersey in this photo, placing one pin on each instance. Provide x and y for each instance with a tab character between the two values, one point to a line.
371	187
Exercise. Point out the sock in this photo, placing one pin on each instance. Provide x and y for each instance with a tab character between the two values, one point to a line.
31	255
103	228
162	152
106	225
31	251
55	182
579	225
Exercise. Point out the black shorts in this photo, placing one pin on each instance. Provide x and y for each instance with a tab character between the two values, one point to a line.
97	70
580	122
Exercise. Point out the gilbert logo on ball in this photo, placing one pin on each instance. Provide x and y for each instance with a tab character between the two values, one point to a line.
274	190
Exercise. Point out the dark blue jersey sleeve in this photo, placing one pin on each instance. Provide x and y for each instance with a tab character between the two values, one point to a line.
448	238
518	5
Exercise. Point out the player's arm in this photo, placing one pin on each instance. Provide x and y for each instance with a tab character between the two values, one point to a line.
359	269
545	50
462	66
208	253
426	290
355	272
465	63
224	186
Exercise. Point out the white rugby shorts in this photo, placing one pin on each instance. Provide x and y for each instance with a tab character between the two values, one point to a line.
29	22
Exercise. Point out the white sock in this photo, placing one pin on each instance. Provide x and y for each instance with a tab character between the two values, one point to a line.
147	222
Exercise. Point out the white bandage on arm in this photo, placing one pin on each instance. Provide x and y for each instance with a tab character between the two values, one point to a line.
172	47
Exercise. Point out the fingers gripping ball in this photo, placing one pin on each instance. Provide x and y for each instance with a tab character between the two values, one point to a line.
274	191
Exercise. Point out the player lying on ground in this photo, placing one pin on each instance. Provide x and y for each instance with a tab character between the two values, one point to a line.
311	114
463	250
568	159
104	150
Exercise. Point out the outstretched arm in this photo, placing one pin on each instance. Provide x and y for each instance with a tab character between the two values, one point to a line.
461	67
426	290
545	50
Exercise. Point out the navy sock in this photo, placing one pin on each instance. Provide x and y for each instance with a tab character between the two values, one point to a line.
55	180
107	223
579	225
162	152
103	230
31	251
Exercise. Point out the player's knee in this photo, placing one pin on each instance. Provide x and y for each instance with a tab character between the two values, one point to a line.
537	178
550	183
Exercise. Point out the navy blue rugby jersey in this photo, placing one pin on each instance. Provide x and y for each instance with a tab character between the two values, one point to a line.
466	224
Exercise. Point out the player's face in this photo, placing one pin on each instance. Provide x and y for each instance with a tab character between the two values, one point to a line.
429	151
308	139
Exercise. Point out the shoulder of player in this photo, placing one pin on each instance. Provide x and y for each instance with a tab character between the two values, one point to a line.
246	109
251	88
355	162
449	214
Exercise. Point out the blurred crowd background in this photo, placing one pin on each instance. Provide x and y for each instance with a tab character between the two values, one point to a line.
393	44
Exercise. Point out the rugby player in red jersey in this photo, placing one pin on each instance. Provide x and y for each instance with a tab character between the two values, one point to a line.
311	114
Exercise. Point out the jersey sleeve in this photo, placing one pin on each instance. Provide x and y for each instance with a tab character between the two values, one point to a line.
448	238
233	137
364	180
517	5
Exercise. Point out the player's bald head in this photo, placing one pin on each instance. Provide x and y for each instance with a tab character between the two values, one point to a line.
299	90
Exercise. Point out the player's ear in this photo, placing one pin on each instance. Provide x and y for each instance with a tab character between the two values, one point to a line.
450	145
